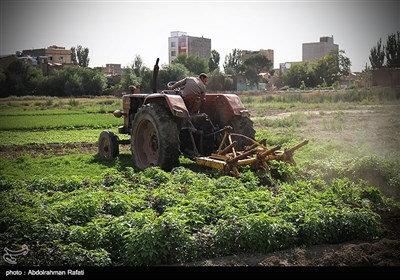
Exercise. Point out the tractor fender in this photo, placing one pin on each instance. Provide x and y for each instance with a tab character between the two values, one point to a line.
234	103
230	104
175	103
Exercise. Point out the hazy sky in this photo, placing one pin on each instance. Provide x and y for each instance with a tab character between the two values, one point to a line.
116	31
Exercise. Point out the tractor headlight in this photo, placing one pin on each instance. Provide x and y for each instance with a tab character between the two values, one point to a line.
244	113
118	113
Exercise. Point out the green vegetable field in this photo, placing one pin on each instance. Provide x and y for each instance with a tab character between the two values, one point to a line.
71	207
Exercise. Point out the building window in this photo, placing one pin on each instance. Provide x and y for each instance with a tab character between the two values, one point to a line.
61	58
173	45
173	53
50	58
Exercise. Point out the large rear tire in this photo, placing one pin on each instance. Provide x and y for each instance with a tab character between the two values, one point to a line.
243	125
108	144
154	138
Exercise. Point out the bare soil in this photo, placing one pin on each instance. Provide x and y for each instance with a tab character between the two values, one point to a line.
375	126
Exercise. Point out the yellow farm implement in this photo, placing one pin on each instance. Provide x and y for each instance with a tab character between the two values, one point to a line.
228	159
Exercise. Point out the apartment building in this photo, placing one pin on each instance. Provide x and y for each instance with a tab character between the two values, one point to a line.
315	50
181	43
54	54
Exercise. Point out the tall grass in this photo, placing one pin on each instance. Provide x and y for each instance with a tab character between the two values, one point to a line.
359	96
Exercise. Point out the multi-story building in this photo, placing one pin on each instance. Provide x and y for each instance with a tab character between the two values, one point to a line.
48	59
54	54
111	69
315	50
181	43
267	53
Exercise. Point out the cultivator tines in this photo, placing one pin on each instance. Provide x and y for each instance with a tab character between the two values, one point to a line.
228	158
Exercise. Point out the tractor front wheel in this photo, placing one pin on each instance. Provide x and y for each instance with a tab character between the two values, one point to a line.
154	138
108	144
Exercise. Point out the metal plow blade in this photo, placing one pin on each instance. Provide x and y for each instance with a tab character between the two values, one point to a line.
228	159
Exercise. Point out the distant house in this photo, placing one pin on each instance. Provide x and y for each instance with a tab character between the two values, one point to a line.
6	60
54	54
40	62
111	69
29	60
112	72
240	83
47	59
349	80
283	67
313	51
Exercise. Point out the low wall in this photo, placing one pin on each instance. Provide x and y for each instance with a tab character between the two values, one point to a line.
386	77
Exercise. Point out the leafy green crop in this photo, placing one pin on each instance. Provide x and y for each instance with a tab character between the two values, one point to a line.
58	121
154	217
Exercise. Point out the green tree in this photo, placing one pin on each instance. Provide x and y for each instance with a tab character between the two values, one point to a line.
228	83
377	55
181	59
147	79
213	62
128	77
138	75
137	65
216	81
331	67
172	72
3	80
80	56
233	62
21	79
254	66
93	82
74	58
75	81
197	65
297	73
194	63
393	50
344	63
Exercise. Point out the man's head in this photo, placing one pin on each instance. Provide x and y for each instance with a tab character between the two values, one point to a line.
132	88
204	78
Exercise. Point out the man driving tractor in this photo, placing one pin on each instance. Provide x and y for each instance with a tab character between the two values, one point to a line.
193	91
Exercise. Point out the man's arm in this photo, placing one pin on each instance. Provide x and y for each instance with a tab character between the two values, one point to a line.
179	83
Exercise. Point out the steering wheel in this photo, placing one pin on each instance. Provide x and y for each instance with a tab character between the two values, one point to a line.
178	89
171	83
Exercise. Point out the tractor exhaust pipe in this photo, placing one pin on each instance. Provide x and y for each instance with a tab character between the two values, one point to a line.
155	75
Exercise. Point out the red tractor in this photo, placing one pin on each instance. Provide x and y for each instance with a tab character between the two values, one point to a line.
219	135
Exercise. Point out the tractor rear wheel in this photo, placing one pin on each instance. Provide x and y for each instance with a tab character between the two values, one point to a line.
154	138
108	144
243	125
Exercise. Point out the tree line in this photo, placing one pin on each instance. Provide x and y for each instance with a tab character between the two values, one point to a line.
326	72
20	79
386	56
